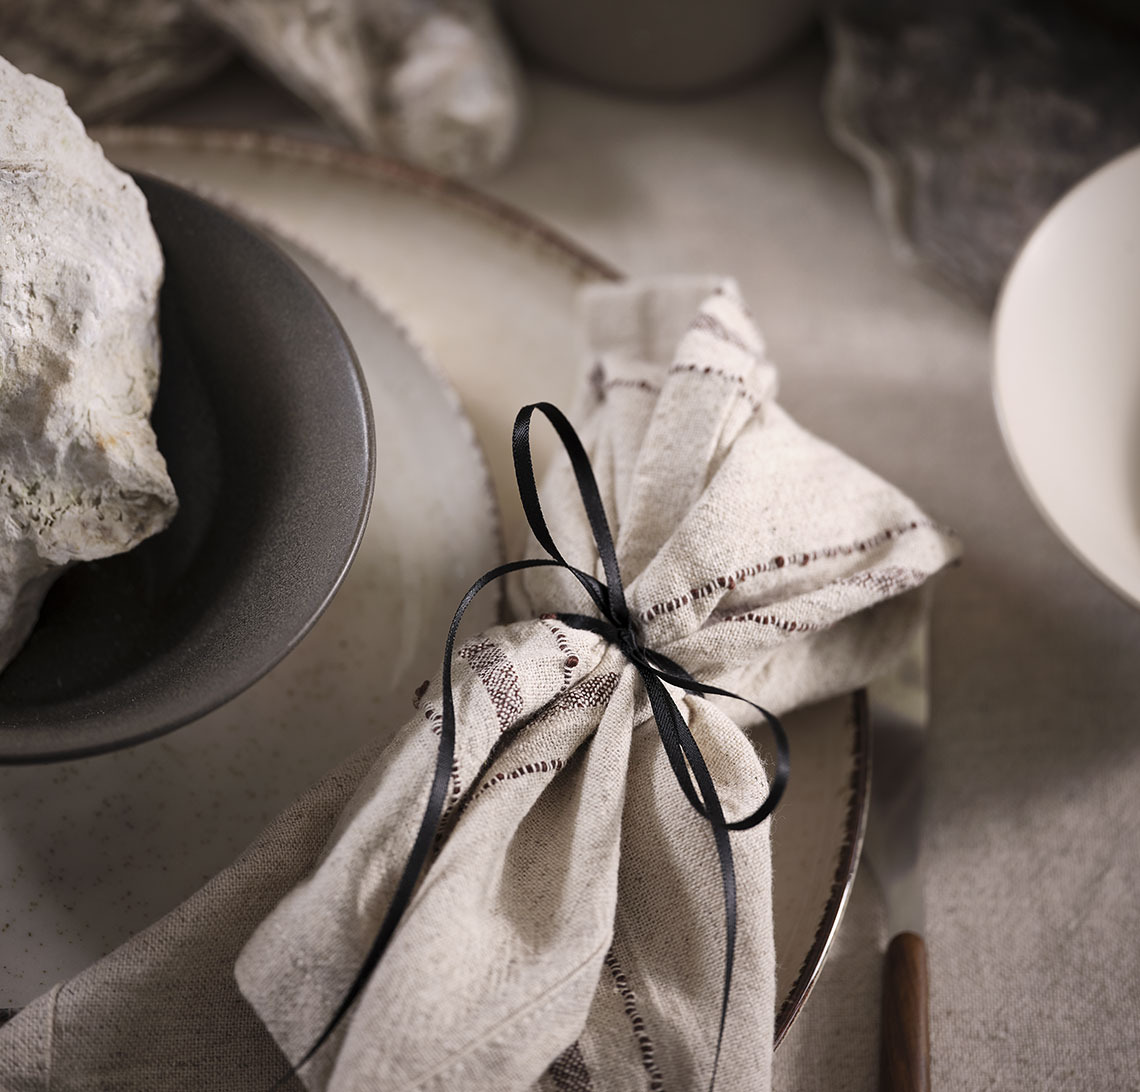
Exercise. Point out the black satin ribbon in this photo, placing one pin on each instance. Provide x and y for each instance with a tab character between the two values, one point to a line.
616	625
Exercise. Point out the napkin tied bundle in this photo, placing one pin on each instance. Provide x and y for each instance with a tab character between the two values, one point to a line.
568	934
573	919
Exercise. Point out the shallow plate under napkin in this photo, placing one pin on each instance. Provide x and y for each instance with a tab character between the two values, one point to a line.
489	293
1067	371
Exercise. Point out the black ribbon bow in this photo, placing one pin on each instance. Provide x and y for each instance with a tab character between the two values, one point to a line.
617	626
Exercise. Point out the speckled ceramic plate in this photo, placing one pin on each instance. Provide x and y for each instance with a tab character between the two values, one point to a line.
490	295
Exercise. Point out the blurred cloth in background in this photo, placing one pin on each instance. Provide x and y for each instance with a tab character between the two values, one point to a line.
429	81
973	119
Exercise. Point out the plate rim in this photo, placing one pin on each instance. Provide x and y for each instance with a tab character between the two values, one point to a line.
586	265
845	869
368	165
1000	312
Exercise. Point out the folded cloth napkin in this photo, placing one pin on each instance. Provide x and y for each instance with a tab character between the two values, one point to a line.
569	931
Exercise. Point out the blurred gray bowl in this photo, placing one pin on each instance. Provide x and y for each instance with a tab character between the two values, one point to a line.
658	46
266	426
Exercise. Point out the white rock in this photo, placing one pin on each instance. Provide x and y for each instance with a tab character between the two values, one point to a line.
80	268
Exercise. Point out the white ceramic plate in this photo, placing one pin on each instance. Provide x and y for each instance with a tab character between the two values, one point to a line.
1067	371
490	294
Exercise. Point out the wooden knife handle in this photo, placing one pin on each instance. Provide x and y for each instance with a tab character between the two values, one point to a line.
904	1055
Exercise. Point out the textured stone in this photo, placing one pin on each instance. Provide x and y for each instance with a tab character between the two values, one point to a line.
80	269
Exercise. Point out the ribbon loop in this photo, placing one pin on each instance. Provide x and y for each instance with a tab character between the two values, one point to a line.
618	627
610	596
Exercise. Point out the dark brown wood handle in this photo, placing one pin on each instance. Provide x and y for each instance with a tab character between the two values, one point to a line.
904	1056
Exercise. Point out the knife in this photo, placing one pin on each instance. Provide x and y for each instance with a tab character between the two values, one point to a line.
900	712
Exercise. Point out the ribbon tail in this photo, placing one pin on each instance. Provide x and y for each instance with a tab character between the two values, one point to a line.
684	755
670	726
670	672
429	824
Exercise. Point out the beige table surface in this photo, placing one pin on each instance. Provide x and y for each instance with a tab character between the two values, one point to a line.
1033	840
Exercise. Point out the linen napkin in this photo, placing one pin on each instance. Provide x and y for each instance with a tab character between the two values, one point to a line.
569	931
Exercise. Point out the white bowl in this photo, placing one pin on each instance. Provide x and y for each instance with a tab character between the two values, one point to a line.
1067	371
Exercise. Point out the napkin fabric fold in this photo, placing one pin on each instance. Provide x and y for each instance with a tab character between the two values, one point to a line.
569	932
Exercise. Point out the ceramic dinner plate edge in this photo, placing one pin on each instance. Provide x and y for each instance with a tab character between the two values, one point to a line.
389	171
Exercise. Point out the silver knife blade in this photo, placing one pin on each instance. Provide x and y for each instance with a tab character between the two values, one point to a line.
900	713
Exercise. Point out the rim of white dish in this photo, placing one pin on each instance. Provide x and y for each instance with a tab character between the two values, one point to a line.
1024	475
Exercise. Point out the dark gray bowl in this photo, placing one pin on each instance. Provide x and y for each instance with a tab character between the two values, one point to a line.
266	425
